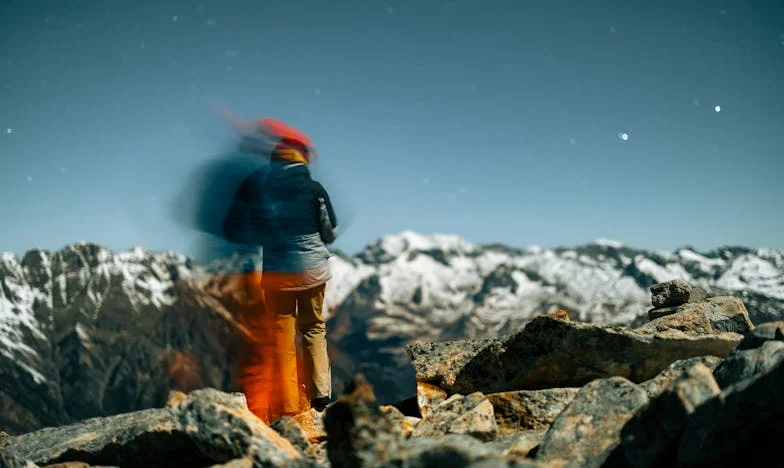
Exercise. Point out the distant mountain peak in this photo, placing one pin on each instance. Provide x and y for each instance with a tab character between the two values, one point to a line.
608	243
391	246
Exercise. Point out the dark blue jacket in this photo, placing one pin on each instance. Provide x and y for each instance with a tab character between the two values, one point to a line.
282	209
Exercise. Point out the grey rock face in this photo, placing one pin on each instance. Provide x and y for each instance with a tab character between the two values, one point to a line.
651	437
358	432
589	429
715	315
768	331
524	443
744	364
527	410
206	428
290	430
739	427
429	397
675	293
405	423
470	415
450	450
678	369
551	353
437	363
361	435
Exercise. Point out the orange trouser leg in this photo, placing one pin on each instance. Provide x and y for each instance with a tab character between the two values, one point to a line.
282	307
257	379
314	339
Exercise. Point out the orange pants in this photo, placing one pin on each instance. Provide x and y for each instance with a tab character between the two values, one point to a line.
272	367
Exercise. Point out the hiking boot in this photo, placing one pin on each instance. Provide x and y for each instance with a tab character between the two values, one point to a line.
319	404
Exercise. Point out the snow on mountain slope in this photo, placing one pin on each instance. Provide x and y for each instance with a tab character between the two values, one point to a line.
17	319
403	286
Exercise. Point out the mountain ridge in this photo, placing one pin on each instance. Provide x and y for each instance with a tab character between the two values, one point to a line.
85	322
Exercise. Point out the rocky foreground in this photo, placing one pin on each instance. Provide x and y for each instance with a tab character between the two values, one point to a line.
698	385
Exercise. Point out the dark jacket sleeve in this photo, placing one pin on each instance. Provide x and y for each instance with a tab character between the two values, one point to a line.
237	226
328	221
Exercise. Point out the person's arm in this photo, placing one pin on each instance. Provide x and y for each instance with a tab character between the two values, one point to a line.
236	226
328	221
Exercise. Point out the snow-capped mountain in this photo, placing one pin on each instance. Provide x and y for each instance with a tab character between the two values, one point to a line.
85	331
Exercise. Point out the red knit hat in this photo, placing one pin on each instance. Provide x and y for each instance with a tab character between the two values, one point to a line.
289	136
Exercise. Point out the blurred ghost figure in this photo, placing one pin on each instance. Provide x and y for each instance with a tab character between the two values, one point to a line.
279	208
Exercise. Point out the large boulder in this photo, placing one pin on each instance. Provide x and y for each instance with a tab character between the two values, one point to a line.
589	429
666	378
739	427
470	415
675	293
651	437
207	427
714	315
744	364
225	428
550	353
527	410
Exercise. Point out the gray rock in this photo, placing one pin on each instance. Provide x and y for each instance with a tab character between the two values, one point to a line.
359	434
4	438
148	437
688	318
502	443
312	422
527	410
675	371
550	353
436	362
206	428
470	415
451	450
651	437
675	293
224	428
523	443
739	427
715	315
429	397
740	365
768	331
405	423
290	430
589	429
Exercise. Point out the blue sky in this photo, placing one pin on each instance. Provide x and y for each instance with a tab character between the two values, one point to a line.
500	121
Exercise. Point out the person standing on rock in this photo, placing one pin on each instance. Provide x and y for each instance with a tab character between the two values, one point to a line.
282	209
